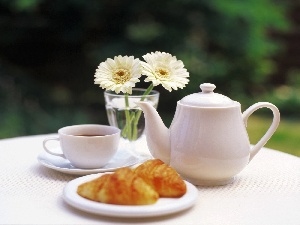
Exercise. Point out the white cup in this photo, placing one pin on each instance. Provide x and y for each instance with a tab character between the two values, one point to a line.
87	146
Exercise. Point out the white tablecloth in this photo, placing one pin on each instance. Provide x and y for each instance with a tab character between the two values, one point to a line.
267	191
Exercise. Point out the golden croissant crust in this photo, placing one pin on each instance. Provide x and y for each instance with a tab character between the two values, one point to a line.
162	178
123	187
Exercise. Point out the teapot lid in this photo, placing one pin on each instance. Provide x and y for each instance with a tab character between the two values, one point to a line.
207	98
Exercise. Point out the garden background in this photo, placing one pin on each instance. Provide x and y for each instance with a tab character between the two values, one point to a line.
50	49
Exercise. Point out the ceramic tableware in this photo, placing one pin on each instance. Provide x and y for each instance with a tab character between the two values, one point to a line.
207	142
163	206
86	146
121	159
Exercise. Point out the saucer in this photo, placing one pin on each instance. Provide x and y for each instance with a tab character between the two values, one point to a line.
164	206
122	158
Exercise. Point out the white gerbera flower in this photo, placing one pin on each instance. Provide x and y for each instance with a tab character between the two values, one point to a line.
119	74
163	68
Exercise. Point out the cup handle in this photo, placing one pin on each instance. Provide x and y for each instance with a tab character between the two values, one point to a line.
270	131
48	150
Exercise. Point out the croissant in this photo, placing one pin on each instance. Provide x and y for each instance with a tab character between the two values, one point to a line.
162	178
123	187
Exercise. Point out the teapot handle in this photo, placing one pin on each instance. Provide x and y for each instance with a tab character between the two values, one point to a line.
270	131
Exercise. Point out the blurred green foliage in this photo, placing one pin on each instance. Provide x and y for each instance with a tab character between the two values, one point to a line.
286	137
49	50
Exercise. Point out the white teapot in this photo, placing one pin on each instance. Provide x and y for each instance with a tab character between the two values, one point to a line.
207	142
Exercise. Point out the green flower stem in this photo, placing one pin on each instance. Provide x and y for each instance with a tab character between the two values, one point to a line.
139	112
147	92
127	128
130	130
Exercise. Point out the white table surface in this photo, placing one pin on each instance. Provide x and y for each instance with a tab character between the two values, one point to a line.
267	191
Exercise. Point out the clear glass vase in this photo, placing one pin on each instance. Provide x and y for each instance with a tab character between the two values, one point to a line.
123	112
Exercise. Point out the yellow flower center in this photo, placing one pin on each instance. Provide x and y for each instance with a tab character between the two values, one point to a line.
120	76
162	73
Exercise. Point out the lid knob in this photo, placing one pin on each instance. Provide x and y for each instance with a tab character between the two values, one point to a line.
208	98
207	87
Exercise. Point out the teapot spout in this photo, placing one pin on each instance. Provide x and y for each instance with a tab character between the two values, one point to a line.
157	134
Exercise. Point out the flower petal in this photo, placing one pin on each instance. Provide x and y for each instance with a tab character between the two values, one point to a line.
119	74
163	68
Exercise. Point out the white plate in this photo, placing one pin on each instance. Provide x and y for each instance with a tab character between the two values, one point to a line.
122	158
163	206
